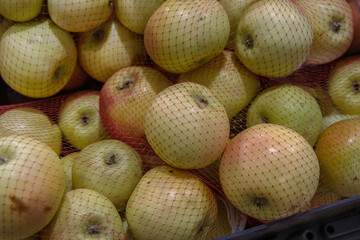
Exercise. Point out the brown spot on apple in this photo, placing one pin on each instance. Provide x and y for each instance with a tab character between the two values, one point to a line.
335	26
94	229
47	209
260	202
18	204
98	35
249	41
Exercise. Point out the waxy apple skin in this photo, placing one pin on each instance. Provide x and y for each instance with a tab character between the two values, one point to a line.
20	10
338	150
269	172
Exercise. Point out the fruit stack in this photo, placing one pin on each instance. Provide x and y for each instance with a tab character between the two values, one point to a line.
207	115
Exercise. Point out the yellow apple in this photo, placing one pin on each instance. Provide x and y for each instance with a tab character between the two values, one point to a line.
20	10
44	59
68	161
269	172
31	122
33	181
170	203
79	15
108	48
334	117
338	150
229	80
187	126
183	35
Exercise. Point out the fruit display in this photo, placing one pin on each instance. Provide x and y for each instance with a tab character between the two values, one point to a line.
166	119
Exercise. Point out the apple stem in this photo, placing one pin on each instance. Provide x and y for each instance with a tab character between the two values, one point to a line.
110	160
4	160
357	87
93	229
249	41
260	201
85	119
335	27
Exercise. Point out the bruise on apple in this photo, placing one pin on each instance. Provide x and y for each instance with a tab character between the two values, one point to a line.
98	35
260	202
18	204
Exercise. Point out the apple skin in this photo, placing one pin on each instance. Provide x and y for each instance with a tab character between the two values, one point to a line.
4	25
79	119
43	62
33	123
35	181
187	126
355	44
269	44
108	48
322	97
109	167
332	24
183	35
85	214
68	162
79	16
334	117
77	80
344	85
338	150
20	10
229	80
169	203
288	105
269	172
126	97
134	14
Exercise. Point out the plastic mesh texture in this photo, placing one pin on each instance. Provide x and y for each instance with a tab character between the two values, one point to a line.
194	119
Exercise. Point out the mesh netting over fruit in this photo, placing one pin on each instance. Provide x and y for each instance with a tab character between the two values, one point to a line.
166	119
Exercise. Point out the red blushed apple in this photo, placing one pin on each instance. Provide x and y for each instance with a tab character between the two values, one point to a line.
355	45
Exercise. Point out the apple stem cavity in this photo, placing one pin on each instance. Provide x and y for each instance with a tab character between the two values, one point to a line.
112	159
356	86
4	160
126	85
265	120
85	119
260	202
335	26
94	229
249	41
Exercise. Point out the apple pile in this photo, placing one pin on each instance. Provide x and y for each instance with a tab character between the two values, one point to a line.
209	113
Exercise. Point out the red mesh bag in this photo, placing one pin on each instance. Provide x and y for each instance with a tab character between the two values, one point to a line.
194	119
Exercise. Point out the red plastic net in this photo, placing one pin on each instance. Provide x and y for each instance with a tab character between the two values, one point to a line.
194	119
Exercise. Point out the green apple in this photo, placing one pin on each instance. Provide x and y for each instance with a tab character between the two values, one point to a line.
229	80
108	48
187	126
79	119
33	181
43	62
322	97
288	105
20	10
183	35
234	9
126	97
134	14
80	15
85	214
68	162
33	123
344	85
338	150
334	117
4	25
332	24
268	41
269	172
77	79
110	167
170	203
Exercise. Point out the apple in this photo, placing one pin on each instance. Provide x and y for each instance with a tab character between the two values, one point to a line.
85	214
268	41
229	80
288	105
222	226
332	24
68	162
20	10
134	14
33	181
77	79
187	126
355	44
110	167
234	9
108	48
344	85
322	97
126	96
334	117
33	123
338	150
183	35
169	203
43	62
4	25
80	15
269	172
79	119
